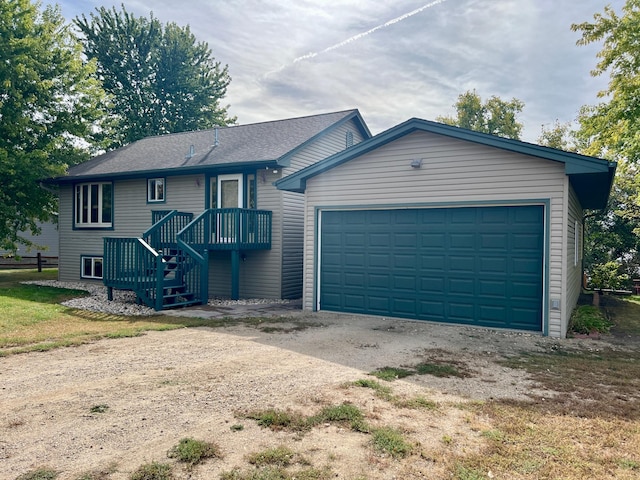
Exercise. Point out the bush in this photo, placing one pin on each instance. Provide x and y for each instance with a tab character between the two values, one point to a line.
193	451
588	319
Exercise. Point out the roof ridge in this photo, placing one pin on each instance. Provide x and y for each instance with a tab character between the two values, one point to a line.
164	135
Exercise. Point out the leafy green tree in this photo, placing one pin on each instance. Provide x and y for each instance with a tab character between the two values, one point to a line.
494	116
161	79
50	108
611	130
612	127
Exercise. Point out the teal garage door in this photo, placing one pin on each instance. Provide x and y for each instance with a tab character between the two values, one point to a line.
474	265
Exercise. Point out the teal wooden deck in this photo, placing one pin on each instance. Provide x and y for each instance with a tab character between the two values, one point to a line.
168	265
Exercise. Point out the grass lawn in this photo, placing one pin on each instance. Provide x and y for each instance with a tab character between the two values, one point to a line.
32	318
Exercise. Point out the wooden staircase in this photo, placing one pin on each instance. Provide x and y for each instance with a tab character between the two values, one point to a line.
162	269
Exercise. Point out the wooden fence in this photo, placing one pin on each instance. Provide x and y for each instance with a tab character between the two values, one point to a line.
38	261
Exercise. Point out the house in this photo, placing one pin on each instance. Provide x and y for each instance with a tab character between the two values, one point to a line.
185	217
44	248
432	222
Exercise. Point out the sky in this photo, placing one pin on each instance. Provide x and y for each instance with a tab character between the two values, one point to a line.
392	60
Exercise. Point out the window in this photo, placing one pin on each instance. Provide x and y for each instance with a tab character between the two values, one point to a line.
155	190
92	267
94	205
251	191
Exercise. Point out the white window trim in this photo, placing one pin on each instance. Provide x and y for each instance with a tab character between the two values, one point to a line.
154	189
93	275
78	223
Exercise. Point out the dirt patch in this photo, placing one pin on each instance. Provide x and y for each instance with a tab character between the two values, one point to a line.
116	404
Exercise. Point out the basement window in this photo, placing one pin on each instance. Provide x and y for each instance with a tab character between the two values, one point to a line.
91	268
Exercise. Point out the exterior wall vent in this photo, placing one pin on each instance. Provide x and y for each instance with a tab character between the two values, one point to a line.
349	139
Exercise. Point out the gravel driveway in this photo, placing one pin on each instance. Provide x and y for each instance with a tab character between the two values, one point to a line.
164	386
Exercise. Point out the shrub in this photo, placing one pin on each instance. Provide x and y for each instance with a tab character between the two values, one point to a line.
153	471
588	319
192	451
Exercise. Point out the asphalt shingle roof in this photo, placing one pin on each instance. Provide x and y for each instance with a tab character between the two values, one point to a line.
257	142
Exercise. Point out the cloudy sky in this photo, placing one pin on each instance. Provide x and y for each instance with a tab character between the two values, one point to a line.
392	60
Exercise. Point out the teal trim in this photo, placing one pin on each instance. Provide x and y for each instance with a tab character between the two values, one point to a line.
600	172
547	267
169	172
285	160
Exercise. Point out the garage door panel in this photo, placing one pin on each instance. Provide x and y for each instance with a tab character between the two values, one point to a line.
404	282
462	264
433	240
494	241
471	265
463	241
432	285
492	288
378	304
460	285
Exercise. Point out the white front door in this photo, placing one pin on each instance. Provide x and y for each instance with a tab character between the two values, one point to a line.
230	195
230	191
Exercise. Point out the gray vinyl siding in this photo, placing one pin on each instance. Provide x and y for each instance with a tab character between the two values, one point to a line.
292	244
330	143
454	172
131	217
574	269
292	205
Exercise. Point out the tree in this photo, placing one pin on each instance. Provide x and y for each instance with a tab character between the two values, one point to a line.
611	130
495	116
50	106
161	79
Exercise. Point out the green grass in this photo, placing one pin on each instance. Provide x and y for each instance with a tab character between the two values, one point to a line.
390	441
42	473
33	320
192	451
278	457
382	391
278	473
391	373
153	471
344	414
279	419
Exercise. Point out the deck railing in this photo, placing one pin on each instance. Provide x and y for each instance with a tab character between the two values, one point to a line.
229	229
178	241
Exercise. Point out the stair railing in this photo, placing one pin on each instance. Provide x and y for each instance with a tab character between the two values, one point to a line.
162	234
192	240
131	264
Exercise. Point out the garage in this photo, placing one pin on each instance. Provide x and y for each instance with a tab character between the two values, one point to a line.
474	265
427	221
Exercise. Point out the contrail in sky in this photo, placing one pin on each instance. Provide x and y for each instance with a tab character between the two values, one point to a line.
360	35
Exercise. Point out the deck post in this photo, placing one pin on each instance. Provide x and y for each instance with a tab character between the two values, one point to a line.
235	274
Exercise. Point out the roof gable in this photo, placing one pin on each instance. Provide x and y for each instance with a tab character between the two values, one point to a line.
591	177
271	142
